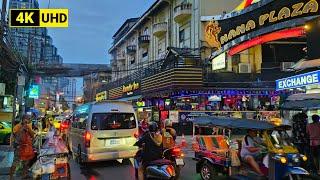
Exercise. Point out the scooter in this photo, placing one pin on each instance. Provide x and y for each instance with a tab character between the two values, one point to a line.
158	169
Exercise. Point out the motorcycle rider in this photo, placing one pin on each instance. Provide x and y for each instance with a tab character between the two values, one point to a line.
151	143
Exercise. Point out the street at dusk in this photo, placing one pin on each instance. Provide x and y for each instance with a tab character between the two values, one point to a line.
160	89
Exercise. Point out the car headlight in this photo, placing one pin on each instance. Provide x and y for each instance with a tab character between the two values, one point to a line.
304	158
283	160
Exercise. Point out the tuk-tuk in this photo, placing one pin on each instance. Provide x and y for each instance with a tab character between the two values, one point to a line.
218	153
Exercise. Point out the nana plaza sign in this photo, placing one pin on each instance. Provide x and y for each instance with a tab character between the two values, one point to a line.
219	32
298	81
128	89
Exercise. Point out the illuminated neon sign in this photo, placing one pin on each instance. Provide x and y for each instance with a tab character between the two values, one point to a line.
288	33
298	81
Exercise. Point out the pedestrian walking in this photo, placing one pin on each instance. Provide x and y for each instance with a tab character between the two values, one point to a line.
22	144
313	130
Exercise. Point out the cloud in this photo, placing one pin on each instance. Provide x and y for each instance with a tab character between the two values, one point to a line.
91	26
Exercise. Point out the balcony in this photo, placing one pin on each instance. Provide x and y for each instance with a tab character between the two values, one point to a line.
144	40
131	49
182	12
159	29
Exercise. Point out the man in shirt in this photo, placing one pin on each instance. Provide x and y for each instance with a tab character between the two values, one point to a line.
313	130
250	150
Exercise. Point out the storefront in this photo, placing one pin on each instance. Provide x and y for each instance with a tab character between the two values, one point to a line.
308	101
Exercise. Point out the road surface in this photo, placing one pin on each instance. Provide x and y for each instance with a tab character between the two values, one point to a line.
114	170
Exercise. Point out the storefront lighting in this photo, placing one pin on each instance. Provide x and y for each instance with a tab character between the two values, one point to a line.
283	34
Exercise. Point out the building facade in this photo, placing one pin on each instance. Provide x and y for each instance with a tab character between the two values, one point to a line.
208	56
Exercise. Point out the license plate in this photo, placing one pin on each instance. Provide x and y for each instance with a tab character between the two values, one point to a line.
179	162
113	142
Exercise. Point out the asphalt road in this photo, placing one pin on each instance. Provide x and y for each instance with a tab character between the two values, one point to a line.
113	170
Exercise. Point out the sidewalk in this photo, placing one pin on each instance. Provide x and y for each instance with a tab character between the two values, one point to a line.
6	158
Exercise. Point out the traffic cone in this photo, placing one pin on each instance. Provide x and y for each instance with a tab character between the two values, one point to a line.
183	141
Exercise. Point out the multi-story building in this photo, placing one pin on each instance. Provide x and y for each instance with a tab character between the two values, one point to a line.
70	91
209	56
36	46
174	23
33	43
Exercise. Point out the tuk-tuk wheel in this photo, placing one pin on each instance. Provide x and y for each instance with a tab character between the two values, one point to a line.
207	171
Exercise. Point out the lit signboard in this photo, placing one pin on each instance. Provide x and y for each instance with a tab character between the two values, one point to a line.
298	81
130	88
101	96
34	91
219	62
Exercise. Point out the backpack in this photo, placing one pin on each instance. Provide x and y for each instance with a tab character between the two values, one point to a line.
167	140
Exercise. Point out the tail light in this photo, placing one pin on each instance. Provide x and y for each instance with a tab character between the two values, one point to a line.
136	134
176	152
87	138
170	170
64	126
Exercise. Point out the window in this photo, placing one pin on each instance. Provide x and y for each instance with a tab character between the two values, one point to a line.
146	31
181	36
185	36
113	121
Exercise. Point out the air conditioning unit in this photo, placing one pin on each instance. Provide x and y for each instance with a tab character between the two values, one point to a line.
287	66
244	68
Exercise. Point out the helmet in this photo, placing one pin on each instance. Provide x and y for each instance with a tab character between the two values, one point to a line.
168	122
153	127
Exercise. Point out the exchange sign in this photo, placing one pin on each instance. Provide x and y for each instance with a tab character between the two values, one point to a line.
298	81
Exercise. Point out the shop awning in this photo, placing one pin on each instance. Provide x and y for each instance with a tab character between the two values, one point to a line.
301	105
305	64
130	98
301	97
302	102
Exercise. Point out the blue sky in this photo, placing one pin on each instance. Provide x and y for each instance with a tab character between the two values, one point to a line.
91	26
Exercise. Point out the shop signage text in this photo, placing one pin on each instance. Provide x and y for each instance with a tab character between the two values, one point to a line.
130	88
298	81
101	96
219	62
218	33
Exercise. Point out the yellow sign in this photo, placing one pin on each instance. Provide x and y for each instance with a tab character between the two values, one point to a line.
131	87
38	18
101	96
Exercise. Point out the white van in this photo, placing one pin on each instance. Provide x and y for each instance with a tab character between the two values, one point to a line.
103	131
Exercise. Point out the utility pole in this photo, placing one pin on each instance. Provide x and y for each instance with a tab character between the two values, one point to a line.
3	18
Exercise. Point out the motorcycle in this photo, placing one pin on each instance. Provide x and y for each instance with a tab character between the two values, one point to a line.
162	168
176	156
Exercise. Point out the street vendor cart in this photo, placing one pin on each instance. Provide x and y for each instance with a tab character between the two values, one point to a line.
52	161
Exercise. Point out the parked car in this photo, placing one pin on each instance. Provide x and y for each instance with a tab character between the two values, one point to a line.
5	132
103	131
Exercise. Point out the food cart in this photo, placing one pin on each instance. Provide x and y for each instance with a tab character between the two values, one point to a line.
52	161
